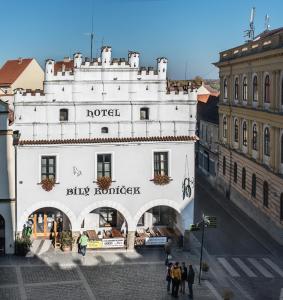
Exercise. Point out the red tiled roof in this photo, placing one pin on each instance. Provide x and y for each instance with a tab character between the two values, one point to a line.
203	97
109	140
69	65
12	69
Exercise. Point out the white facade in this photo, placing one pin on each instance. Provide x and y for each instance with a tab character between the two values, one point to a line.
111	107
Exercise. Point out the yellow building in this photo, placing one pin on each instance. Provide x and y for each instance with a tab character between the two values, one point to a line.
251	129
23	73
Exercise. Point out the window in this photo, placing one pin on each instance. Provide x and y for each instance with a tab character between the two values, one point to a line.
104	130
245	134
48	167
282	148
103	165
254	137
267	89
236	131
144	113
245	89
235	172
107	217
225	89
281	206
266	141
236	89
255	89
160	163
243	178
224	165
265	194
63	114
254	185
224	127
162	215
282	91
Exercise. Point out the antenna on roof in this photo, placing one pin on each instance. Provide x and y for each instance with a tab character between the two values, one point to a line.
250	33
266	22
91	34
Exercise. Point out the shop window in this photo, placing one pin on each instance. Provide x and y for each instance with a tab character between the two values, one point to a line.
162	215
245	134
225	89
267	89
254	137
236	131
255	89
103	165
266	142
235	172
224	127
236	88
64	114
48	167
265	194
254	185
243	178
224	166
104	130
245	89
281	207
160	163
144	113
107	217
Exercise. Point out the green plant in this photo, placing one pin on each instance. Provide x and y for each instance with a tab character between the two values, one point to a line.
22	245
66	239
204	267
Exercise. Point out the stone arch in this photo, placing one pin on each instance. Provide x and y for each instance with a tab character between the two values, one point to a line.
108	203
151	204
27	212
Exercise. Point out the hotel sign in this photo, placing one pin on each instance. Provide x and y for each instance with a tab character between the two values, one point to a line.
102	113
119	190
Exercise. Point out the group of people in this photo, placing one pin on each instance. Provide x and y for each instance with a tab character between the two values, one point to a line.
177	276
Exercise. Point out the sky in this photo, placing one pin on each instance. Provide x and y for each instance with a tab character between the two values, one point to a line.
189	33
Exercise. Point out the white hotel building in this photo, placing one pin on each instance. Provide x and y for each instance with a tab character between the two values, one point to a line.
106	117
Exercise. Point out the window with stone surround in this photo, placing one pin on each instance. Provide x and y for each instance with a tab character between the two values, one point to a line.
255	89
236	89
236	131
265	193
225	88
224	127
244	178
224	166
267	89
245	89
266	141
245	134
254	185
254	137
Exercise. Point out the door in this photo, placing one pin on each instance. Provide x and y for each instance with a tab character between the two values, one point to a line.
2	235
44	224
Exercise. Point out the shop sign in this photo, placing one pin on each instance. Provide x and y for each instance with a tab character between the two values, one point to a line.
86	191
91	244
155	240
103	113
113	243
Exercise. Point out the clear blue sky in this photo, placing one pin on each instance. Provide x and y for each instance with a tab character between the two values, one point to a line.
187	32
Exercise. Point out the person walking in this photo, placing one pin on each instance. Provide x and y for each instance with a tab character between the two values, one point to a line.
167	249
191	280
168	276
184	275
83	243
176	279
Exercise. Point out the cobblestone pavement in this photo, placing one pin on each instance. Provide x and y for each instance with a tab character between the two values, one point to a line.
102	276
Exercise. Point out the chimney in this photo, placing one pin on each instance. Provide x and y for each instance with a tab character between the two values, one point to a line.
20	60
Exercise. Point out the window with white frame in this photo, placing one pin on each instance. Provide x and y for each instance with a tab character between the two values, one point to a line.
104	165
160	163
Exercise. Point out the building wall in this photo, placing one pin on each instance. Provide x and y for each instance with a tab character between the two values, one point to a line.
254	111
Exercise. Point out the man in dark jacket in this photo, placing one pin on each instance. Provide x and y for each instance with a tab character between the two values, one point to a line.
191	280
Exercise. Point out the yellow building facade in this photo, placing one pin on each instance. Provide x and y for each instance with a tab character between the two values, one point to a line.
251	129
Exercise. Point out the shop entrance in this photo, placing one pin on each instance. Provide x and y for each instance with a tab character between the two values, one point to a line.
47	222
2	235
